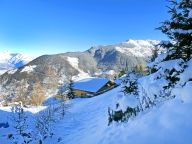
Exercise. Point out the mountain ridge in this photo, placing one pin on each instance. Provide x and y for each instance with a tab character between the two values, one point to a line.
10	60
59	68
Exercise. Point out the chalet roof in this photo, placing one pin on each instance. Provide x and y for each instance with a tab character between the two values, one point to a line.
92	84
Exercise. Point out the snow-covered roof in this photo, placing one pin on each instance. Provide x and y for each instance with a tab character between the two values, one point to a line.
92	84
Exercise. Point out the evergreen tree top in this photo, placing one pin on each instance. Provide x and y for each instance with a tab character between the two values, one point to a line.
179	29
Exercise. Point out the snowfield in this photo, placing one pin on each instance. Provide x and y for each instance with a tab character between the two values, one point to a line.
87	122
139	48
74	62
12	71
29	68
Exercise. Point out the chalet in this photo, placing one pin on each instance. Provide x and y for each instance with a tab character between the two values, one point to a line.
92	86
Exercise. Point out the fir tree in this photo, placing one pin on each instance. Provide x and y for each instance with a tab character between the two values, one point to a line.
179	30
20	124
71	94
154	53
44	123
19	118
63	96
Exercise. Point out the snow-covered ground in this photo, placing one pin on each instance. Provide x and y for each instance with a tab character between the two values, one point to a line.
6	116
87	122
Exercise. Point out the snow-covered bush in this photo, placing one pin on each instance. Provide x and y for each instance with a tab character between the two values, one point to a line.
19	119
122	116
44	121
183	87
129	84
172	78
126	106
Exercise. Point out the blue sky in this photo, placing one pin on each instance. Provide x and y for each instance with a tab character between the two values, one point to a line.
56	26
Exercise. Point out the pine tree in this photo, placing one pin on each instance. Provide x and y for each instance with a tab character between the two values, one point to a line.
179	30
154	53
122	72
20	124
44	123
62	92
19	118
62	95
71	94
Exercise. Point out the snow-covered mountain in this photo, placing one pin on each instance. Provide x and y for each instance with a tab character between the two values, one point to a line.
104	60
137	48
12	60
163	118
129	53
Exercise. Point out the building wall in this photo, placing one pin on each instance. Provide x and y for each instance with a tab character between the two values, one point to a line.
80	93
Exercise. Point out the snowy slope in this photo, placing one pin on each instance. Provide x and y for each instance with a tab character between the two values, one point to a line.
12	60
74	62
138	48
87	122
